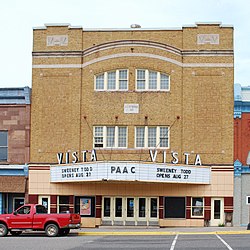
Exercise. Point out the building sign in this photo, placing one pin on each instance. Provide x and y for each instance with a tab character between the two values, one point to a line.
75	157
130	171
57	40
208	39
131	108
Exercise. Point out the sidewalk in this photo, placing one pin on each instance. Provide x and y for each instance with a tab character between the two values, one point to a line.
102	231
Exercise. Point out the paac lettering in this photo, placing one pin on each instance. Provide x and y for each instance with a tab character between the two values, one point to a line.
121	170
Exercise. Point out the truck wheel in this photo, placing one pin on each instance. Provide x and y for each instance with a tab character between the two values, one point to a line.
51	230
64	232
15	233
3	230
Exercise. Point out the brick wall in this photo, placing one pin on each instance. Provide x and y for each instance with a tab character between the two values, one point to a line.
65	106
16	120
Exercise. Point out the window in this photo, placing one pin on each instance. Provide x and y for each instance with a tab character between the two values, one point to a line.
111	80
85	206
98	137
24	210
197	207
18	202
110	137
106	207
116	80
99	82
141	79
123	79
153	207
147	80
151	137
3	145
122	137
175	207
41	209
63	204
152	82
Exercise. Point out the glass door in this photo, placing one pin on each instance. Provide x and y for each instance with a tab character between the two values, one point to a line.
118	211
45	201
217	212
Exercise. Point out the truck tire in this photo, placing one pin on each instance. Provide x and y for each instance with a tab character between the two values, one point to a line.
64	231
51	230
15	233
3	230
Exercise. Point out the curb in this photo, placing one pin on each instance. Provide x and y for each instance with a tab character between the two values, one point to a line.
156	233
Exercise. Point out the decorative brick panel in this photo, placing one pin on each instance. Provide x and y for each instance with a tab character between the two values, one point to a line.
207	209
33	198
98	206
71	203
188	207
53	203
228	204
161	207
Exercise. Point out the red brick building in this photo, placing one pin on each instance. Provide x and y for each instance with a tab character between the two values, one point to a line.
14	146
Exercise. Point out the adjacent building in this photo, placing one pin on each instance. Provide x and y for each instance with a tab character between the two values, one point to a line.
14	147
134	126
241	155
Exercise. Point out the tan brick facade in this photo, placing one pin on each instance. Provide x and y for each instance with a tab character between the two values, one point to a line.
198	108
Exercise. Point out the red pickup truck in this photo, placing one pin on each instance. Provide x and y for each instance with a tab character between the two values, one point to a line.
35	217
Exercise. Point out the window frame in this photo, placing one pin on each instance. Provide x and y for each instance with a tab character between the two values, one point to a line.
147	78
192	206
116	137
63	204
146	137
77	203
117	81
5	146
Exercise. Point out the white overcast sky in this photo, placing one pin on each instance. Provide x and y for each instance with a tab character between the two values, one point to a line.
18	17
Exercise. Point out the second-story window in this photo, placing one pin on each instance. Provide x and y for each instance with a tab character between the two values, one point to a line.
147	80
3	145
110	137
116	80
151	137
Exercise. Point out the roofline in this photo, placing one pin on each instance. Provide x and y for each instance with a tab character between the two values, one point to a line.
46	25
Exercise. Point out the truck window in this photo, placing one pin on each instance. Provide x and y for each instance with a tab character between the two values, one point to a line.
41	210
24	210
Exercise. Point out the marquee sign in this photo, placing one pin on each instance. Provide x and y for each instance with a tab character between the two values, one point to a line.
130	171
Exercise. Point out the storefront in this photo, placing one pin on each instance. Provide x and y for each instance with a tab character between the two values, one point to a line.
136	194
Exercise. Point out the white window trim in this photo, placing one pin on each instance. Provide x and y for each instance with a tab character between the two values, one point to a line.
117	79
247	197
147	81
116	137
195	216
157	137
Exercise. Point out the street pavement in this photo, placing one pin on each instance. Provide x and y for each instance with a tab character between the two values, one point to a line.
104	230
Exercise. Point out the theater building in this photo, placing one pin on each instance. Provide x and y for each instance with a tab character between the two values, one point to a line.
133	126
241	155
14	147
